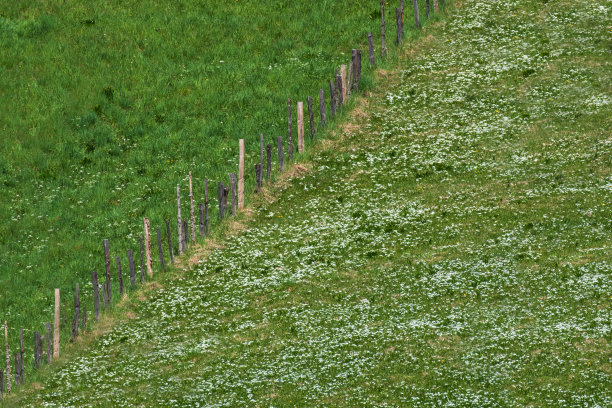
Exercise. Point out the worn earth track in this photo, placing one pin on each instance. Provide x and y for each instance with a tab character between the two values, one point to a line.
450	247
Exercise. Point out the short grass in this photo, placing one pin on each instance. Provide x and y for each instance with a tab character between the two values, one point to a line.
106	106
450	247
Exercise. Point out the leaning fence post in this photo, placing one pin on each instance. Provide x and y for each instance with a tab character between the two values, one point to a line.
241	175
56	330
49	342
322	106
160	250
300	127
311	115
193	235
179	220
96	293
107	300
232	177
281	156
132	269
383	48
142	266
119	275
77	310
206	214
415	5
147	234
268	161
8	359
290	152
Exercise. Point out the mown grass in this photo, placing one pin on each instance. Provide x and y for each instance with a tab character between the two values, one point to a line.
105	107
449	247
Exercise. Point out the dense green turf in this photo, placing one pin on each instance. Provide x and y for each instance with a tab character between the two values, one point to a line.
106	106
450	247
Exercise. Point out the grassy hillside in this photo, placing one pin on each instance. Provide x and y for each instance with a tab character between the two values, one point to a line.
450	247
106	106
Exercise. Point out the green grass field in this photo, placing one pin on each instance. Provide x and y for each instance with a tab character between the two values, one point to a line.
448	246
106	106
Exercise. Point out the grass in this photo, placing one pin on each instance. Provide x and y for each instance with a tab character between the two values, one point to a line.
448	246
106	107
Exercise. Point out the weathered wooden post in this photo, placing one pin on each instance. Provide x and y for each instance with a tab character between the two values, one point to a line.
268	161
220	188
8	359
36	355
339	91
281	156
415	6
427	8
119	275
77	313
398	24
179	220
225	196
322	106
232	177
56	329
49	342
142	266
160	250
241	175
290	153
300	127
258	176
192	213
311	115
206	213
332	97
435	6
349	81
201	219
107	300
383	47
147	234
344	82
96	293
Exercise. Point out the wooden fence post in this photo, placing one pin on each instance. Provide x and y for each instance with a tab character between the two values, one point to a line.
169	235
383	47
119	275
201	219
232	177
147	234
427	8
398	24
300	127
311	115
132	269
56	330
77	313
290	152
193	234
268	161
322	106
206	214
96	293
370	49
142	266
49	343
435	6
225	196
415	5
107	300
179	220
344	82
8	359
349	80
241	175
281	156
160	249
258	176
36	360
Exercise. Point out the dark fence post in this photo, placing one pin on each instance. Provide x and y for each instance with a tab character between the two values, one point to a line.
427	8
415	5
258	177
370	49
322	106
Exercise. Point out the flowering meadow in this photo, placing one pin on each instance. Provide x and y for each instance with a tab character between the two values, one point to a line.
449	246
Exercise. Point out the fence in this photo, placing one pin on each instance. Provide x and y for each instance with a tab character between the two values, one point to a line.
341	87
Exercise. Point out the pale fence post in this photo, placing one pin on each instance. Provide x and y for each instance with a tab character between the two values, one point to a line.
344	87
147	234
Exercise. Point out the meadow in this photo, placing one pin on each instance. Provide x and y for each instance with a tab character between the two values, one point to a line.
106	106
448	245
